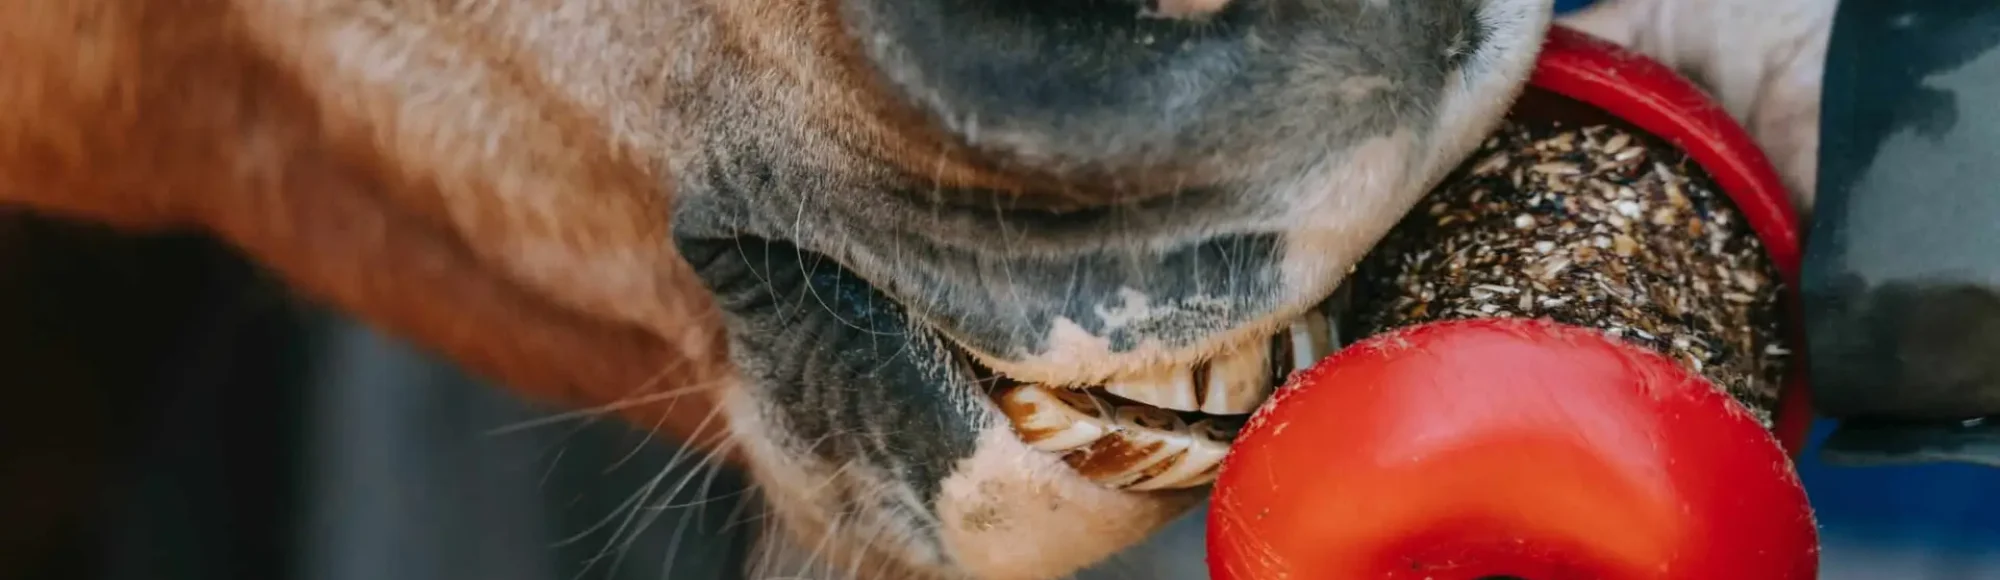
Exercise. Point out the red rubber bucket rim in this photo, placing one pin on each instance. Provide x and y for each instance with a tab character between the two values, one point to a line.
1654	98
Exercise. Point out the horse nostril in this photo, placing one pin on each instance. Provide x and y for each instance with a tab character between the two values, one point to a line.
1151	97
1073	91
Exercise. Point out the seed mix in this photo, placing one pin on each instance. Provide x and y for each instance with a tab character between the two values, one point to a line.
1597	226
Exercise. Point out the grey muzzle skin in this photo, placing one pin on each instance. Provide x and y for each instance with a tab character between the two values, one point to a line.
1902	269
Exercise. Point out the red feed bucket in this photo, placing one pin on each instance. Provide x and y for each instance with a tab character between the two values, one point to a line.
1647	94
1500	444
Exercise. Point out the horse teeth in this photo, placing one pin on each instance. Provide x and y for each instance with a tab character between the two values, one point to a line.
1146	441
1218	429
1311	337
1166	388
1208	443
1055	420
1238	381
1149	419
1146	445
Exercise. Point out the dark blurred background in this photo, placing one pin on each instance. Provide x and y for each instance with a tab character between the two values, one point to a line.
170	414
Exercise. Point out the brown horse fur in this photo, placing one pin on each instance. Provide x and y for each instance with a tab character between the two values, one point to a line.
390	160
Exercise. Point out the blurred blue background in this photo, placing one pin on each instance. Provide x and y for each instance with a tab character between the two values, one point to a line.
1923	522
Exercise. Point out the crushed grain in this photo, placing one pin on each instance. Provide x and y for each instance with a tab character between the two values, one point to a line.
1598	227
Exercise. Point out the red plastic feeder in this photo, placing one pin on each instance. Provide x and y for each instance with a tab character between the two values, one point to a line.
1491	442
